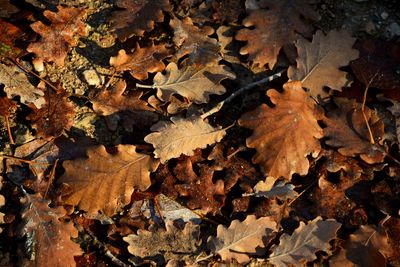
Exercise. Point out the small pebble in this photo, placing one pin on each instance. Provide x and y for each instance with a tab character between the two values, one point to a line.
384	15
394	29
92	78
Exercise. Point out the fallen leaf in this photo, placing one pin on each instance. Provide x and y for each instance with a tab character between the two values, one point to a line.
137	16
194	42
48	239
242	239
196	84
7	106
318	62
284	135
53	117
142	61
226	10
7	9
346	129
182	136
9	34
17	84
57	38
272	188
105	181
305	241
161	245
2	203
265	41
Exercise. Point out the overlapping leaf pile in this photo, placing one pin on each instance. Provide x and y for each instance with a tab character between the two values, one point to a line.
200	165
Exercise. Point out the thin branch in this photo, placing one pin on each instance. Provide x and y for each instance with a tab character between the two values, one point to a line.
10	137
51	178
138	85
371	136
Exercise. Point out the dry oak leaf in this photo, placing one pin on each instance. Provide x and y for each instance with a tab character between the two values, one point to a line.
194	42
243	239
48	240
138	16
59	35
142	61
226	10
7	106
271	188
284	135
196	84
274	28
305	241
54	116
161	245
346	129
105	182
9	34
318	62
7	9
17	84
182	136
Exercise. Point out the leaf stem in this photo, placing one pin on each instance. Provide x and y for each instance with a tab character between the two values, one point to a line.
138	85
371	136
10	137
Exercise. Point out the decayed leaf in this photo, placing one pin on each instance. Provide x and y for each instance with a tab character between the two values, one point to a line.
138	16
105	181
182	136
7	9
60	35
318	62
2	202
9	33
368	246
7	106
54	116
48	240
194	42
142	61
192	83
302	245
395	110
242	239
275	28
226	10
162	245
346	129
284	135
272	188
17	84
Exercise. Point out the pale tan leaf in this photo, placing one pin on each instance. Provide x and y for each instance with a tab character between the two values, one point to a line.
302	245
105	181
17	84
272	188
192	83
48	240
318	62
243	239
182	136
284	135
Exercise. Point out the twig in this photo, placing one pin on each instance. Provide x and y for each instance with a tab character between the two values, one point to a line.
299	195
51	177
240	91
138	85
371	136
10	137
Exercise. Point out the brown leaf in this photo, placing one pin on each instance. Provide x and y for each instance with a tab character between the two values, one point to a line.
182	136
284	135
138	16
9	34
7	9
55	116
346	129
302	245
2	203
272	188
318	62
57	38
7	106
142	61
161	245
226	10
199	191
196	84
48	240
105	181
242	239
275	27
194	42
17	84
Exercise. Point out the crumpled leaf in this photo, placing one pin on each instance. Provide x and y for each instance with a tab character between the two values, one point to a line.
196	84
226	10
7	9
142	61
272	188
284	135
346	129
7	106
59	36
105	181
9	34
48	239
138	16
161	245
194	42
54	116
182	136
17	84
274	28
305	241
242	239
318	62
